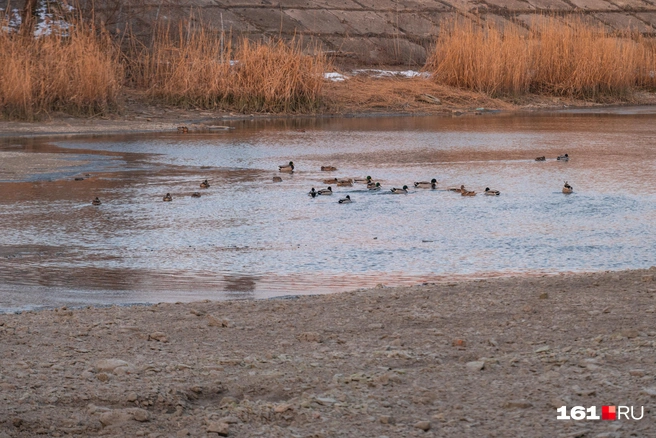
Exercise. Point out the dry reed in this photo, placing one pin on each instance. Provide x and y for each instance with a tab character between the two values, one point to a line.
196	69
565	58
77	73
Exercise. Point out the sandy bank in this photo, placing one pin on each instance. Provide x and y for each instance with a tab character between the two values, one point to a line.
478	358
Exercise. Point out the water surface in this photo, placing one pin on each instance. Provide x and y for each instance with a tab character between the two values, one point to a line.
248	237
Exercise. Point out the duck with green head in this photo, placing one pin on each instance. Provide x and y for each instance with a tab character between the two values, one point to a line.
328	191
489	192
205	185
401	191
167	198
373	186
288	168
96	201
346	200
427	185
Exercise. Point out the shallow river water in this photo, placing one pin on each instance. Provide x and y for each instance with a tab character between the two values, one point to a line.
248	237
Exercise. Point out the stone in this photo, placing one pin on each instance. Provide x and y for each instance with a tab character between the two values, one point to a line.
459	343
228	400
647	278
309	337
230	420
544	296
630	333
114	417
218	427
158	336
326	400
213	321
543	349
637	373
103	377
132	396
109	365
423	425
282	408
387	419
182	433
517	404
650	391
139	414
476	365
375	326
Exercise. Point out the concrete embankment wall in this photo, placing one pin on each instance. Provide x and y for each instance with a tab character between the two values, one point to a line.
362	31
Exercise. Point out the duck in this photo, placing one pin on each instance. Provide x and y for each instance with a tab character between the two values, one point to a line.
328	191
563	157
277	179
96	201
344	183
328	168
567	189
457	190
373	186
542	158
289	168
366	180
330	181
79	178
467	193
427	185
205	185
402	191
167	198
346	200
312	193
195	195
489	192
183	129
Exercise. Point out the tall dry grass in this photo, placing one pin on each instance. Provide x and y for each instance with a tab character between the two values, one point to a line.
203	69
77	73
557	57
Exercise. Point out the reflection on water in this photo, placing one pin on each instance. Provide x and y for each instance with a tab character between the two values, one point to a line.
248	237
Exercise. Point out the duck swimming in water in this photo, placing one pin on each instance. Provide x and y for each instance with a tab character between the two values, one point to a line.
328	191
373	186
328	168
289	168
346	200
96	201
167	198
563	157
489	192
467	193
205	185
543	158
366	180
312	193
277	179
458	190
195	195
402	191
427	185
344	183
567	189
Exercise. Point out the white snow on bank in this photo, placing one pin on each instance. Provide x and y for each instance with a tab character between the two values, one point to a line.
47	21
375	73
335	77
12	22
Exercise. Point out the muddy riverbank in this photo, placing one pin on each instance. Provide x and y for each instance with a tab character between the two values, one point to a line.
474	358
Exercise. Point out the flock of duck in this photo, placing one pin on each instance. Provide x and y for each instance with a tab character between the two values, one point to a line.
375	185
371	184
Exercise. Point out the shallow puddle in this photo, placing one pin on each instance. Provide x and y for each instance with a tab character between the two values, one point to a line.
248	237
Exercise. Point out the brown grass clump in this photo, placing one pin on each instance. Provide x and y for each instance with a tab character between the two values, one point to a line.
76	73
564	58
198	70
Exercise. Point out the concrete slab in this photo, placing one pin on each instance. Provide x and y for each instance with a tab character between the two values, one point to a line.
633	4
337	4
648	17
424	5
229	21
386	51
382	5
503	23
270	20
520	5
438	18
412	23
550	5
594	5
624	22
366	22
318	21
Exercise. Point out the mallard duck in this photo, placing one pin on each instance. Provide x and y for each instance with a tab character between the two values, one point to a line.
328	168
457	190
312	193
427	185
373	186
79	178
289	168
96	201
328	191
205	185
567	189
330	181
402	191
345	183
183	129
277	179
195	195
563	157
167	198
346	200
489	192
543	158
366	180
467	193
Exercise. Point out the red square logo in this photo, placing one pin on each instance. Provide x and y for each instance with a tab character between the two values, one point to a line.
608	413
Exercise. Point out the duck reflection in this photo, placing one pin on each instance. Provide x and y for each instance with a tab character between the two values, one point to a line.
240	286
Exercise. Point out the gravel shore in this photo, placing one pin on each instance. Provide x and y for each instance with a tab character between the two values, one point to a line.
485	358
